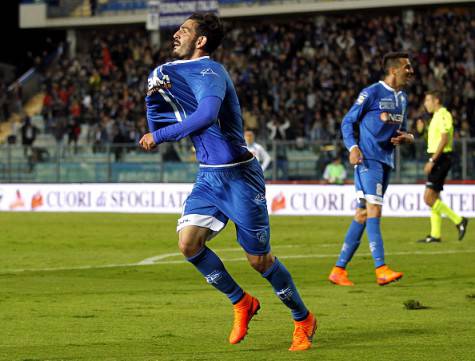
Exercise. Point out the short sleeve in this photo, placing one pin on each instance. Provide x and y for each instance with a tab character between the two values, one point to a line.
207	80
446	123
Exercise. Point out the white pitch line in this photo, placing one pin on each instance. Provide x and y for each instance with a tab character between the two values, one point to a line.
154	259
238	259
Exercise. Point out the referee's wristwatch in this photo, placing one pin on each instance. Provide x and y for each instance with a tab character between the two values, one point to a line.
431	160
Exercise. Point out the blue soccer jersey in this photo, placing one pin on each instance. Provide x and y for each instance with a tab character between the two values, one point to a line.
380	111
174	91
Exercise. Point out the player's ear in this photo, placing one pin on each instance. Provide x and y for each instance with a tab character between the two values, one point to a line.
201	42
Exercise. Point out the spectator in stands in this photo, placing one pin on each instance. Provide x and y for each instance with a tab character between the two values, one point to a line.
59	129
258	150
278	128
74	130
28	136
335	172
319	131
100	137
278	131
118	141
169	153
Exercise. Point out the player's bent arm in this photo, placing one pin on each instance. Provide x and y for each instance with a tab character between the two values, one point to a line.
353	116
203	117
347	130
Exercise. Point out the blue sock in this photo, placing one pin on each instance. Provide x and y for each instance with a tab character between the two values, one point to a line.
373	227
284	287
351	244
210	266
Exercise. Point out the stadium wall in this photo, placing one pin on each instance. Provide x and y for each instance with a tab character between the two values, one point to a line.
35	15
328	200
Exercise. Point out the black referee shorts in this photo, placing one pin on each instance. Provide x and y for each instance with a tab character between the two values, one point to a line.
436	178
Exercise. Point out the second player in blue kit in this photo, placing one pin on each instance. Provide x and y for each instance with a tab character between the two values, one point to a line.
380	114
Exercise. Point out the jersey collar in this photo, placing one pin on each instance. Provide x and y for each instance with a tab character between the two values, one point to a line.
190	60
389	88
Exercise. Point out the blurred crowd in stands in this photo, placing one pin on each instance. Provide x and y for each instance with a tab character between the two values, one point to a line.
103	88
296	78
300	78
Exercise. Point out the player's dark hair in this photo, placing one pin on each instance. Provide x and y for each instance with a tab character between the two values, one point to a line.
209	25
392	59
435	93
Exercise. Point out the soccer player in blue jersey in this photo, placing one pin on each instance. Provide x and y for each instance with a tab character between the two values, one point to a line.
194	96
380	113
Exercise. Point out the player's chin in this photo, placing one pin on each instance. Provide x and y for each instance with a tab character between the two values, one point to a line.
176	52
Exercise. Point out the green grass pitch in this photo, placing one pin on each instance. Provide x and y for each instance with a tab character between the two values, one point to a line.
70	289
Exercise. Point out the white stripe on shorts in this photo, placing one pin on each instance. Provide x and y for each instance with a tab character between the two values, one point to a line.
200	220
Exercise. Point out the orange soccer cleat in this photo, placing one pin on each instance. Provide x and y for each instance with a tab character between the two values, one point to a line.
339	276
244	310
385	275
303	333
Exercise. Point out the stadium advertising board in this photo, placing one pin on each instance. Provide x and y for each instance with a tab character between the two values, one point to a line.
400	200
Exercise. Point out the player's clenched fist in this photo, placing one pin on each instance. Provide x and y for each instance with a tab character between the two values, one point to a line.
356	157
147	142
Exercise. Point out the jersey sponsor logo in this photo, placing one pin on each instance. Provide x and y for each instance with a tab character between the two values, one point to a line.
208	71
155	84
387	105
361	98
391	118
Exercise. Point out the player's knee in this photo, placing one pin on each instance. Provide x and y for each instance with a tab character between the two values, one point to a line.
373	210
189	246
361	215
259	266
261	263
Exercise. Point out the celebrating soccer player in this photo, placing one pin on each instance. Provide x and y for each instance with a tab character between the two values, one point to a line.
194	96
380	112
439	147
